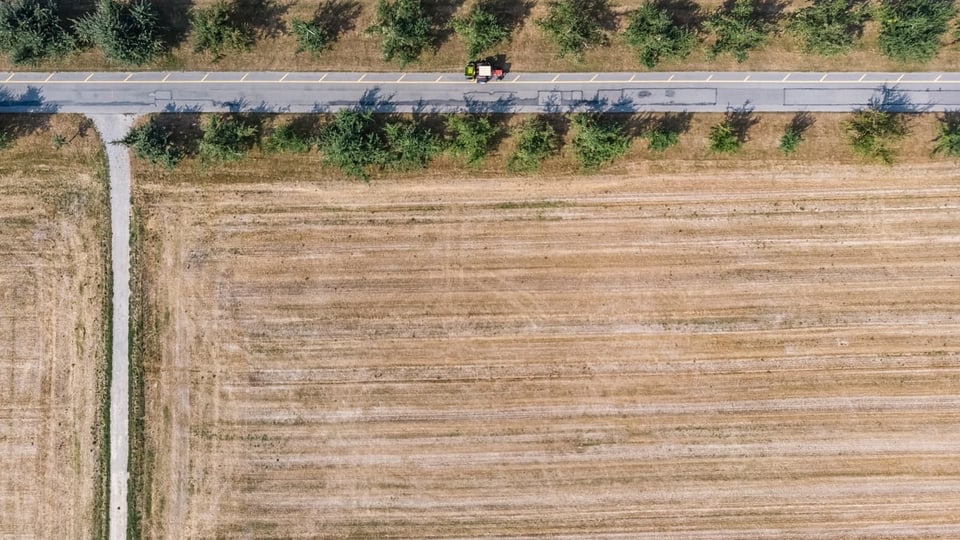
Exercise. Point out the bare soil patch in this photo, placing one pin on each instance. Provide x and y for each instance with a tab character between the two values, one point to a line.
768	349
54	299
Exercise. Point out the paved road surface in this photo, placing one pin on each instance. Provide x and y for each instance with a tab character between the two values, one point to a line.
144	92
111	128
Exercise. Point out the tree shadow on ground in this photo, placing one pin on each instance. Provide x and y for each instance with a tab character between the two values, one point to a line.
185	129
29	101
174	18
740	120
685	13
336	17
74	9
801	122
264	16
509	13
441	13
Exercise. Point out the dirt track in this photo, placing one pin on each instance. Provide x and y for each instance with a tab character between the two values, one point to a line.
756	354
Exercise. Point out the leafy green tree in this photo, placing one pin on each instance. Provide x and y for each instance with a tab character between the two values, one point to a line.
873	133
311	37
32	31
536	141
723	138
471	137
598	141
227	138
947	142
911	30
575	25
739	27
655	36
286	138
152	142
481	29
659	139
404	27
351	143
128	33
790	140
219	28
829	27
409	146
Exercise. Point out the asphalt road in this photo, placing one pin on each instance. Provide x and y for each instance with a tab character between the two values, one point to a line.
145	92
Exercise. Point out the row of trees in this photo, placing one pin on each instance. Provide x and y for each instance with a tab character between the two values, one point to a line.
132	32
360	142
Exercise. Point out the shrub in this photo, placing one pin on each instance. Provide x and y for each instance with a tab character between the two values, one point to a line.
655	36
128	33
723	138
310	37
598	141
874	133
910	30
219	28
481	29
829	27
739	27
351	143
575	25
536	140
789	141
31	31
404	27
287	139
947	142
409	146
472	136
659	139
151	142
227	138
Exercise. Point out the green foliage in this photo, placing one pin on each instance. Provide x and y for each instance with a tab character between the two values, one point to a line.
947	142
481	29
829	27
58	141
351	143
219	28
598	141
739	27
404	27
874	133
5	139
310	37
536	141
409	146
910	30
286	138
575	25
655	36
659	139
227	138
151	142
790	140
472	136
128	33
31	31
723	138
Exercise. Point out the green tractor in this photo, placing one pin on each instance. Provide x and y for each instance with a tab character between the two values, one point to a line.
481	71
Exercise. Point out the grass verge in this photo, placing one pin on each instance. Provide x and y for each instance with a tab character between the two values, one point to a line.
101	495
138	497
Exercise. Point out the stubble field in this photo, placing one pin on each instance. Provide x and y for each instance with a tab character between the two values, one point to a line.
754	353
54	230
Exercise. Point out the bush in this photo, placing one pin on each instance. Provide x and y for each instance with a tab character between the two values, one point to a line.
351	143
32	31
404	27
659	140
723	138
409	146
128	33
874	133
739	27
575	25
655	36
472	136
598	141
829	27
536	141
219	28
227	138
151	142
910	30
310	37
481	29
789	141
947	142
287	139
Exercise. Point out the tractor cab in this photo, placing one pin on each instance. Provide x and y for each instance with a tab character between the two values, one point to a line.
482	71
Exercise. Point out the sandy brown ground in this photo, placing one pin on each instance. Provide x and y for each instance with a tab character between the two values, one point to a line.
528	50
762	351
52	334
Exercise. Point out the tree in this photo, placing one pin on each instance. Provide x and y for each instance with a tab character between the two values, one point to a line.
409	146
947	142
286	138
598	141
481	29
723	138
911	30
472	136
739	27
32	31
311	37
829	27
575	25
128	33
655	36
873	133
351	143
219	28
227	137
404	27
151	142
794	131
536	140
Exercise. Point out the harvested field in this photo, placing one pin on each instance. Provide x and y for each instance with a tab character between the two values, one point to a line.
769	352
54	294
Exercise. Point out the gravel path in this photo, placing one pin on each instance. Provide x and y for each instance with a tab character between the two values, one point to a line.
111	128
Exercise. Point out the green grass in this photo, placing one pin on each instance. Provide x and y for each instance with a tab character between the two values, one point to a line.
101	495
137	494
